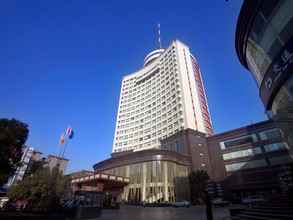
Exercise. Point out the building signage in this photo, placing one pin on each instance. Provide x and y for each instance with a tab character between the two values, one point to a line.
277	74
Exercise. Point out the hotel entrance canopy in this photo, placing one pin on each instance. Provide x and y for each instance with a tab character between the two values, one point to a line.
99	182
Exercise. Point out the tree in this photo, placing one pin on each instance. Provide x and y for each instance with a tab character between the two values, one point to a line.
41	190
13	135
198	181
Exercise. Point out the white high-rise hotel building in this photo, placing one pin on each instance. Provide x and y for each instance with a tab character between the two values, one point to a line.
165	96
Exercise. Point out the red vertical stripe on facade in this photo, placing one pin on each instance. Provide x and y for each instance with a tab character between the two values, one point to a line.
202	95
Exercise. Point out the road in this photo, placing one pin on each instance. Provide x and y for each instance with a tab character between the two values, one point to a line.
161	213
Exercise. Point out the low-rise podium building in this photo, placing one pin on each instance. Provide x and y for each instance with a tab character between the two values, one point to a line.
246	161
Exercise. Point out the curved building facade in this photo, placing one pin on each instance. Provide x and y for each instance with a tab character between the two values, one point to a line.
155	175
165	96
264	44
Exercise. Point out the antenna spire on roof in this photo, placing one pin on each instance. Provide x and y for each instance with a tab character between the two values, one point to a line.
159	36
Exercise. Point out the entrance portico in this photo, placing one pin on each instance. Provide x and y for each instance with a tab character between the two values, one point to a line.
100	183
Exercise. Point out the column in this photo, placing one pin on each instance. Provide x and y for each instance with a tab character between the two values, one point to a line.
165	175
143	184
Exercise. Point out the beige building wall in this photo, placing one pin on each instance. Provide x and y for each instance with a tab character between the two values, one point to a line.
159	100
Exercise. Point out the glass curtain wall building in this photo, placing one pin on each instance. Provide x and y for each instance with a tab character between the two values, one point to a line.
264	44
252	160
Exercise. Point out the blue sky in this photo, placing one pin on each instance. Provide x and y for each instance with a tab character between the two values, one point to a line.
61	63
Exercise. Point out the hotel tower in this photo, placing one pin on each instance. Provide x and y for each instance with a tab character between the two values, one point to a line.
165	96
164	132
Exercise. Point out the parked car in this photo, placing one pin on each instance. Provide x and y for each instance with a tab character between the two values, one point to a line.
147	204
219	202
252	199
165	204
181	204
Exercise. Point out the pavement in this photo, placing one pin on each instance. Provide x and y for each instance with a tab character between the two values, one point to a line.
161	213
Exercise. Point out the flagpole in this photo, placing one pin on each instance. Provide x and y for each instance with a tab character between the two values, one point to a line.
66	137
61	142
64	149
60	150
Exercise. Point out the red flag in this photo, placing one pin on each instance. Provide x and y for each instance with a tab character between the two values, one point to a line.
62	139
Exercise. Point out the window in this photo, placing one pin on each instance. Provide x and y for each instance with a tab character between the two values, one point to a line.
281	160
270	32
270	134
242	153
234	166
238	141
245	165
275	147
